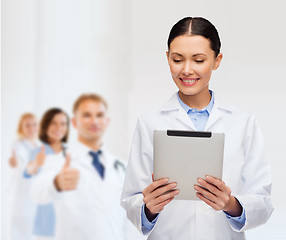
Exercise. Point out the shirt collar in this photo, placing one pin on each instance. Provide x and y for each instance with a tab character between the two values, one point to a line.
208	108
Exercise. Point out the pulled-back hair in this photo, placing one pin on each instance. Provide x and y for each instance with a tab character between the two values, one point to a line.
196	26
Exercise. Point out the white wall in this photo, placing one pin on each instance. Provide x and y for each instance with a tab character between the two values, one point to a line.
54	50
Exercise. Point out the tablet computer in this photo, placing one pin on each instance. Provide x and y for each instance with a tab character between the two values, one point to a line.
183	156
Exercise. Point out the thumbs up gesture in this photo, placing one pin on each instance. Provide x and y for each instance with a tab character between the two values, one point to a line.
40	158
68	177
13	160
34	165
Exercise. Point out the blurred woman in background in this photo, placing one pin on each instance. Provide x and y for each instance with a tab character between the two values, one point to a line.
54	134
22	209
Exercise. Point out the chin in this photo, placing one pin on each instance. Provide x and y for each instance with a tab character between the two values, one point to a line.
188	92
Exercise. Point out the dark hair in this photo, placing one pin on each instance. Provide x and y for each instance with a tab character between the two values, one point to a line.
46	121
90	96
196	26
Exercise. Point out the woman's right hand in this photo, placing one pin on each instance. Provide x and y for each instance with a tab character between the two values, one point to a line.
157	195
13	160
34	165
40	158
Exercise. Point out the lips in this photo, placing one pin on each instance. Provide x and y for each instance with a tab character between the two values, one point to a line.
189	81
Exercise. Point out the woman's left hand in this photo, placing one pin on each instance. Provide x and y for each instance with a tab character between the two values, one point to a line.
216	194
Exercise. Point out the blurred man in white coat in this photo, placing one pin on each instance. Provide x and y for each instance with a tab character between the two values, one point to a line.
86	185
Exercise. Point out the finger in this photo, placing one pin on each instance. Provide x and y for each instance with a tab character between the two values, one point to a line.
70	182
155	185
209	202
68	161
209	186
216	182
160	207
153	177
43	149
206	193
163	189
164	197
71	175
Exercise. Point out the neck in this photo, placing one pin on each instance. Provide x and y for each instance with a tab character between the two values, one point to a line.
94	144
198	101
32	141
56	146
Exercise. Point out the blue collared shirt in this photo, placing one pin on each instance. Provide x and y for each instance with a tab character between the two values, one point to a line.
199	118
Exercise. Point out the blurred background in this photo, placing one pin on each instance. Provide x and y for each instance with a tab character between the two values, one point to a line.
53	51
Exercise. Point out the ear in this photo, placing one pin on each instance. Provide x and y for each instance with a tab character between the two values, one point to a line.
167	54
73	120
217	61
107	121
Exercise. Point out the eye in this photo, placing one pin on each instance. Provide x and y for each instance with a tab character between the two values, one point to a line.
199	61
177	60
86	115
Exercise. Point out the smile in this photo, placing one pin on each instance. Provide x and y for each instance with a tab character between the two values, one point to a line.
189	81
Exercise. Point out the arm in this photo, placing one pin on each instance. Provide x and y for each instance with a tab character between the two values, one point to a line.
13	160
43	190
256	193
138	175
139	189
252	206
36	163
56	177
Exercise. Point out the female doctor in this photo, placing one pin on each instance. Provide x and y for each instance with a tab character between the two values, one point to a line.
22	209
227	207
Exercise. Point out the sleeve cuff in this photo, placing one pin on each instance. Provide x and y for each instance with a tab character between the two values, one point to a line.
237	223
146	224
26	174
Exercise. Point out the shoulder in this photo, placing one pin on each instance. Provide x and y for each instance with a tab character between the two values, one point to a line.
17	144
232	110
118	164
236	119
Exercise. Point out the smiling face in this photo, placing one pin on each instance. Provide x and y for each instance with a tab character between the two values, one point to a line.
58	128
191	62
90	120
29	128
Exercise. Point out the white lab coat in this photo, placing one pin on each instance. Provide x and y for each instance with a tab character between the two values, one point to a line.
21	207
245	171
93	210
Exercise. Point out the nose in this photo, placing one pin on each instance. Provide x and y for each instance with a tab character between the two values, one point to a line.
95	120
187	69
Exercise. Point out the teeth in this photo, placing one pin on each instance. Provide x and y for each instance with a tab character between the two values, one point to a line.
189	81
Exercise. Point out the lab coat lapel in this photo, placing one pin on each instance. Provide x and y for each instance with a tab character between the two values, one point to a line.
180	115
183	117
219	109
214	117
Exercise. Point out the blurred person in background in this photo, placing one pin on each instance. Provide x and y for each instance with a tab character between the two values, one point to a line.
22	209
54	130
86	186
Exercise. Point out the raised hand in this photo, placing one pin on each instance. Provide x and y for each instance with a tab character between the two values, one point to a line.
13	160
34	165
68	178
40	158
157	195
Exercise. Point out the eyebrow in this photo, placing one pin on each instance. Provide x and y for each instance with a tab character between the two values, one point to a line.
197	54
